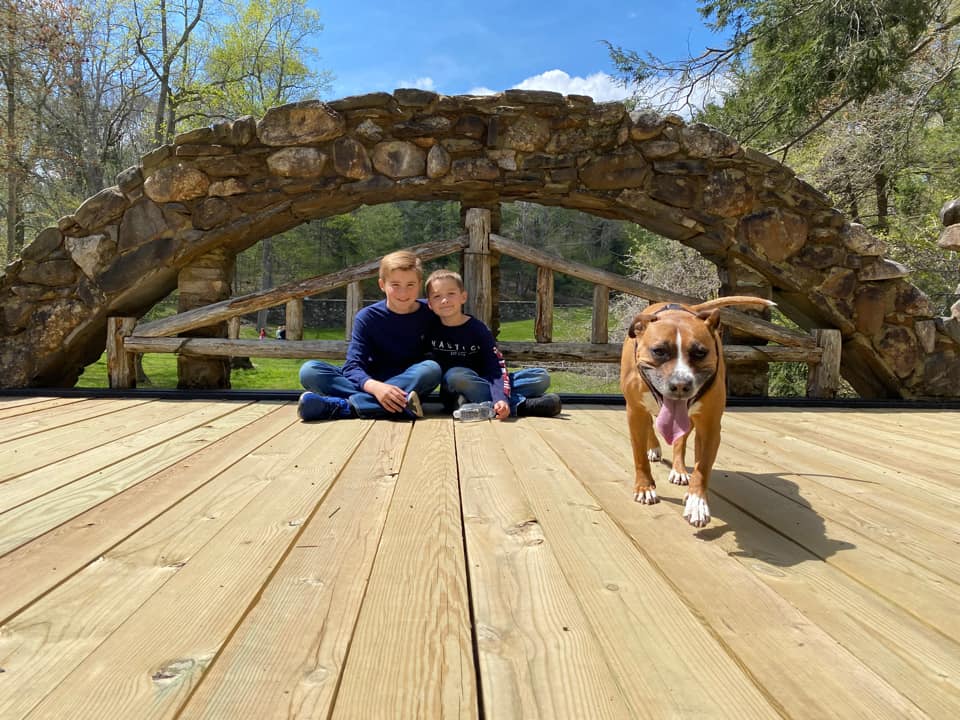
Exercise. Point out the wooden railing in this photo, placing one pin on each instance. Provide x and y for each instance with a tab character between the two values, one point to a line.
819	350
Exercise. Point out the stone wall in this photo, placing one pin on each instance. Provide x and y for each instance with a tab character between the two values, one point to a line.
232	184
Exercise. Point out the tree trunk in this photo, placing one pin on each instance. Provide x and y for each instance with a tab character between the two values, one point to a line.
11	160
881	183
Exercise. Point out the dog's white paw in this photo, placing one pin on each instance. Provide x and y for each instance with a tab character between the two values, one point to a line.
653	454
679	478
647	497
696	510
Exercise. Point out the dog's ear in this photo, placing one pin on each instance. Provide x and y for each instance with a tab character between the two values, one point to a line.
710	317
639	324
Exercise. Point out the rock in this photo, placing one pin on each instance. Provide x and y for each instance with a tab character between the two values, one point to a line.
858	239
659	149
227	187
927	334
301	123
91	253
200	136
840	283
298	162
176	183
243	131
525	134
130	179
727	193
414	97
533	97
102	209
470	126
474	169
871	305
399	159
350	159
142	223
212	212
438	162
883	269
47	241
505	159
950	237
898	345
422	126
615	172
645	125
52	273
368	130
357	102
950	213
778	234
703	141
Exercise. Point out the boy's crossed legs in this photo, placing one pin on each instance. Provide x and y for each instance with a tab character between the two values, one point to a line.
528	390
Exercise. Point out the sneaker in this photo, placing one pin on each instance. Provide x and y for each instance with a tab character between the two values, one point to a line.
548	405
414	407
312	406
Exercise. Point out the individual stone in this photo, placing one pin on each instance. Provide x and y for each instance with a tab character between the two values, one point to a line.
533	97
243	131
202	151
955	310
927	334
47	240
399	159
422	126
438	162
840	283
883	269
297	162
645	125
211	212
899	348
607	113
526	134
871	305
950	213
951	327
368	130
911	301
301	123
52	273
101	209
614	172
950	238
858	239
350	159
142	223
176	183
505	159
91	253
659	149
474	169
727	193
703	141
820	256
227	187
777	233
462	145
155	158
414	97
471	126
673	190
130	179
360	102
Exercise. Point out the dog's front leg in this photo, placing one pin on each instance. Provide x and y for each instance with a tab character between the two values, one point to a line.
696	510
641	427
678	471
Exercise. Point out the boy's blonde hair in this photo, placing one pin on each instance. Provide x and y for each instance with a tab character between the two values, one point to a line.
443	274
400	260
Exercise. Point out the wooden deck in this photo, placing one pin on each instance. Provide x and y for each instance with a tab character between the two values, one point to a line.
220	559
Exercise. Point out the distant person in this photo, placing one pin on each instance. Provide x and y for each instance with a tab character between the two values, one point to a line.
473	368
281	332
263	333
386	370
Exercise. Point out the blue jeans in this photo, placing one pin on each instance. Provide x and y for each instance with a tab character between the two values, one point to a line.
326	379
528	382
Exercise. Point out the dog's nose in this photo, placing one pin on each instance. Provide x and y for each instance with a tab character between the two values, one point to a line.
680	386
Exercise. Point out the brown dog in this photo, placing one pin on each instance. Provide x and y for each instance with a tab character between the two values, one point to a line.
671	369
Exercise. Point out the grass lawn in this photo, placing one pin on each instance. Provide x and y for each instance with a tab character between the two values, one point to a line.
570	325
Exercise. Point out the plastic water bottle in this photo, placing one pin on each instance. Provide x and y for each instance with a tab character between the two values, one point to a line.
471	412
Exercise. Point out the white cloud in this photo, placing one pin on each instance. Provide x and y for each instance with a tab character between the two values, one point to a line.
421	83
600	86
481	90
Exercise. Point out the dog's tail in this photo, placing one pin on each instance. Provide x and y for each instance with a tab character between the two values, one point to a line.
751	302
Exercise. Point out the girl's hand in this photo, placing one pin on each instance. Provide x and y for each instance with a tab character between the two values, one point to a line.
502	409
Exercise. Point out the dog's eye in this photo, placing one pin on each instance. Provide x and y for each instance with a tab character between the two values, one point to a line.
698	353
660	353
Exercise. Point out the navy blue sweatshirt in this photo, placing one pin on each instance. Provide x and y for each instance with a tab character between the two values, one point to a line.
385	343
471	346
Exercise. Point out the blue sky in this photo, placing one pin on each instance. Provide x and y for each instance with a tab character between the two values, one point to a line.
456	47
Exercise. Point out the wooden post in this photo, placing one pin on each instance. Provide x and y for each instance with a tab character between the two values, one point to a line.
823	380
121	368
354	305
293	319
476	266
601	310
233	328
207	279
543	326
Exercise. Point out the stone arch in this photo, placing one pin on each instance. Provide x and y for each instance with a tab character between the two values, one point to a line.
223	188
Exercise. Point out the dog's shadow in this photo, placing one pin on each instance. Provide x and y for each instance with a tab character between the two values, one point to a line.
770	519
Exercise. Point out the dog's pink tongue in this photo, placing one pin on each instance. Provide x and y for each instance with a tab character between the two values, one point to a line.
672	420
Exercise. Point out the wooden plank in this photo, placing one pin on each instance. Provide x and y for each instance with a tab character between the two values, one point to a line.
801	668
731	317
601	315
35	568
217	312
102	440
287	655
543	324
43	513
538	657
148	666
411	654
47	640
17	427
477	274
11	407
666	661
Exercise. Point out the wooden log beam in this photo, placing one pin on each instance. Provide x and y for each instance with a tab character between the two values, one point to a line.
121	365
293	317
200	317
513	351
731	317
599	332
543	325
354	305
477	264
823	380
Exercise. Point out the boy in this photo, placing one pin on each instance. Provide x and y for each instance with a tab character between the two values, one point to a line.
472	366
385	371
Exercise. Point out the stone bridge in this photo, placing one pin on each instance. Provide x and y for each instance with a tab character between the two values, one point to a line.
218	190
